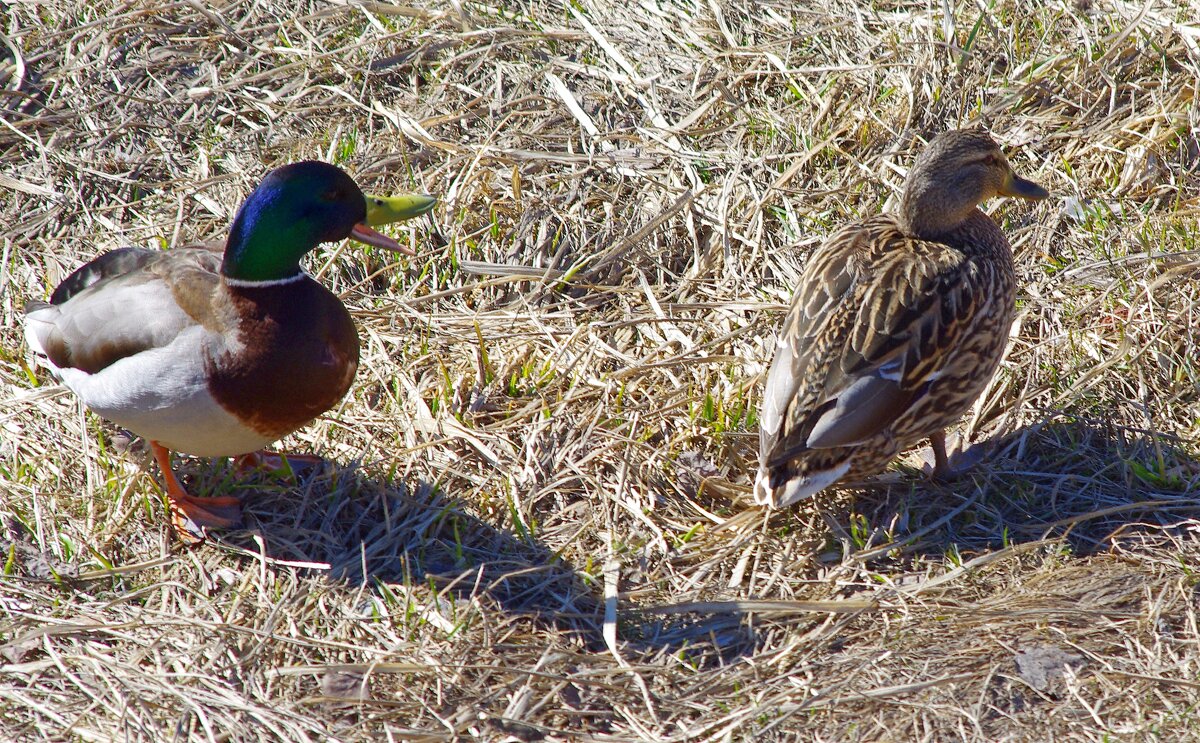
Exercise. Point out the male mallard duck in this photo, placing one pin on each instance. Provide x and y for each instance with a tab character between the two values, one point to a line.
211	356
898	323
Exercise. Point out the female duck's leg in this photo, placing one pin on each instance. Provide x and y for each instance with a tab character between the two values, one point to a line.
941	464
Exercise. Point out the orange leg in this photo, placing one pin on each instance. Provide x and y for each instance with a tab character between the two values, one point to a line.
191	515
272	460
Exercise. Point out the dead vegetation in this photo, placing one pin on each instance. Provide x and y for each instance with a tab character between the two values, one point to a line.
531	524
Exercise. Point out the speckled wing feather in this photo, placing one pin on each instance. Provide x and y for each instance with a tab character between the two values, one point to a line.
88	326
878	318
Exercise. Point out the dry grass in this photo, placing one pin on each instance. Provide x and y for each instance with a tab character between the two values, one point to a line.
530	524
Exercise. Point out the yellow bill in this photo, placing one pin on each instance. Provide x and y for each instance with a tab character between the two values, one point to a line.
383	210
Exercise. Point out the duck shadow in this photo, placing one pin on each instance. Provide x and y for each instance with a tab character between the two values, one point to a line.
400	541
1082	481
1086	484
418	543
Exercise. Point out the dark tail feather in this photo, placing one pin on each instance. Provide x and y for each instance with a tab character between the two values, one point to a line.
112	263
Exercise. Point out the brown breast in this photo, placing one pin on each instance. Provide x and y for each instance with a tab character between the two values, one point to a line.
298	355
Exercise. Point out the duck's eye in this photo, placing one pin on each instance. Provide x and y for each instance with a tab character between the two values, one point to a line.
333	194
992	160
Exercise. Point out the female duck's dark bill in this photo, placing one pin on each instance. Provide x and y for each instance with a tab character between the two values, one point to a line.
1015	185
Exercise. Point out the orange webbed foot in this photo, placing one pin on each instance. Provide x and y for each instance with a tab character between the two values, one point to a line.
263	459
191	516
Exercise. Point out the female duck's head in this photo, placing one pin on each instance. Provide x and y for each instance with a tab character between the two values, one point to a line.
956	172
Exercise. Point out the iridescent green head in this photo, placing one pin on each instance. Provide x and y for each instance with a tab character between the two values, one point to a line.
293	210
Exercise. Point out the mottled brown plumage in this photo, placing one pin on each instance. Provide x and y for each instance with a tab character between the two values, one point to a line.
897	325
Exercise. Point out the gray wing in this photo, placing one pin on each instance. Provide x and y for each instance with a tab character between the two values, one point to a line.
122	303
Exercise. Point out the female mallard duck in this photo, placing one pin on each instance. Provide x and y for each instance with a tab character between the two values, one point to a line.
899	322
211	356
